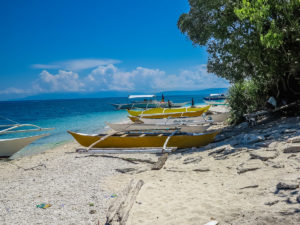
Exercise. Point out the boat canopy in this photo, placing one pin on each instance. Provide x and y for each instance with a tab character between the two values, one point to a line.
216	95
141	96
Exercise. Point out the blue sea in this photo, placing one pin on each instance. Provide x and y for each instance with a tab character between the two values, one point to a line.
80	115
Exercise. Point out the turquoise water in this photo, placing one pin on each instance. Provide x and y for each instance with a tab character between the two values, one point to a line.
80	115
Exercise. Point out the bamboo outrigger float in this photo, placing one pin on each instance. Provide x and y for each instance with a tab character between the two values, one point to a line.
119	141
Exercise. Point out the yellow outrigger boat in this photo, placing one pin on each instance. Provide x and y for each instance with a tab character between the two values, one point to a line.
138	140
186	112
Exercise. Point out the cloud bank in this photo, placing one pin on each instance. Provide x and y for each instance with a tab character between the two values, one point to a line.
105	75
76	65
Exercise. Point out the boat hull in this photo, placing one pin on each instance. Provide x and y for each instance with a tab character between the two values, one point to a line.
8	147
177	111
169	121
149	140
216	118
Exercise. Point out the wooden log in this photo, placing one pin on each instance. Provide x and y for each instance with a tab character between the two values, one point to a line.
160	162
118	211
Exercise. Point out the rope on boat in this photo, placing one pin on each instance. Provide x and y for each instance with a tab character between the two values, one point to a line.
8	119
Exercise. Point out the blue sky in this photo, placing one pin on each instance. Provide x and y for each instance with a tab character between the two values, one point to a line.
96	45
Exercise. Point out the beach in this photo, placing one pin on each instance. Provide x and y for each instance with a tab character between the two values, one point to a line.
250	175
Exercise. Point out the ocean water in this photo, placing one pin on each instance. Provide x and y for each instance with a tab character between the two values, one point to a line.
80	115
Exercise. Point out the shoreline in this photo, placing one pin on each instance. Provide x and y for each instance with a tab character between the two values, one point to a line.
234	180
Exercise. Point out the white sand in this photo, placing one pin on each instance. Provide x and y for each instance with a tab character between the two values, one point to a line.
173	195
67	182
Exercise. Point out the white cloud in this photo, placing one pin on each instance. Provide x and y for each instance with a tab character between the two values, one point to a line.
77	64
63	81
109	77
144	79
13	90
196	78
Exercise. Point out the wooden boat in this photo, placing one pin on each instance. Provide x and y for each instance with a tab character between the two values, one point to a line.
141	127
138	140
148	101
9	146
179	112
214	118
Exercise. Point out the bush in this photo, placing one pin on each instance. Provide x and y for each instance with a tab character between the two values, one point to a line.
246	97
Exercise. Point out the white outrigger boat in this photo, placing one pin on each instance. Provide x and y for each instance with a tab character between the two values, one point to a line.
9	146
199	120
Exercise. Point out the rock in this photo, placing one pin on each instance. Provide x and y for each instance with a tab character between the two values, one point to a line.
242	125
249	166
275	164
218	150
125	170
189	160
262	144
204	169
285	186
292	149
272	203
294	140
92	211
263	156
251	139
288	131
244	170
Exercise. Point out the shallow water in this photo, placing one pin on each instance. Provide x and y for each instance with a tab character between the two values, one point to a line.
81	115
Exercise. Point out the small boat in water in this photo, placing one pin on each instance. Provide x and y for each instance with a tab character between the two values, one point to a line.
9	146
156	128
216	99
143	140
146	102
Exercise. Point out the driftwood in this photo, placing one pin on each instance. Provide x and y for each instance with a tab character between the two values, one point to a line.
160	162
118	211
131	160
250	186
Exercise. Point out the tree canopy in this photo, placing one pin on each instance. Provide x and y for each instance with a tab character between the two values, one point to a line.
256	40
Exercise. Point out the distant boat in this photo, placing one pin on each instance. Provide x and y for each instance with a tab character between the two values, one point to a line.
9	146
147	101
216	99
143	140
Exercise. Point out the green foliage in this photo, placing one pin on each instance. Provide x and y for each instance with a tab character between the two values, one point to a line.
248	41
245	97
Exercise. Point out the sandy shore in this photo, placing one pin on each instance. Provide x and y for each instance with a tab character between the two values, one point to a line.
234	181
71	182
